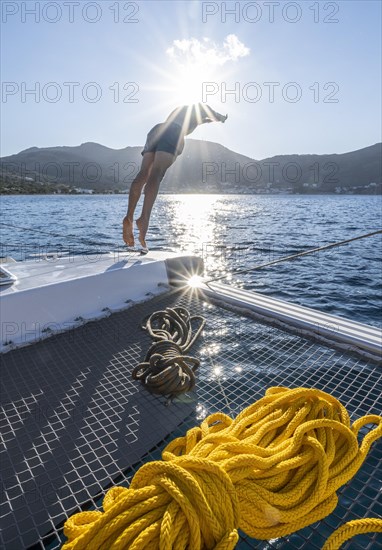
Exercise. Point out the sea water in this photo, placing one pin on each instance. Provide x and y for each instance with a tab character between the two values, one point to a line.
231	233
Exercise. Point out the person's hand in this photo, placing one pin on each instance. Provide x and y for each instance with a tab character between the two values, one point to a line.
221	118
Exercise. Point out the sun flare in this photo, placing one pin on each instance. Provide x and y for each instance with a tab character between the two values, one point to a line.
197	62
190	82
195	281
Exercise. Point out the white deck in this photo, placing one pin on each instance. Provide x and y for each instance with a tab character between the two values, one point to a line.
44	271
51	295
56	294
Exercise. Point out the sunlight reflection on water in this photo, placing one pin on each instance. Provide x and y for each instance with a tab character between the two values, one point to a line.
230	233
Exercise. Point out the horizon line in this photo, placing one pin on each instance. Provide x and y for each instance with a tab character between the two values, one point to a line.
190	139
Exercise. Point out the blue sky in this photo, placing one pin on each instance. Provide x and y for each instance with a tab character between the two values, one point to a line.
325	75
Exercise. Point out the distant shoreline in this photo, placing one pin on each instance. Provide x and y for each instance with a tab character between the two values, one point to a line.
281	194
203	167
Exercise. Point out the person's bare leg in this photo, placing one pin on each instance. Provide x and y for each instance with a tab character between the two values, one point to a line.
162	162
134	195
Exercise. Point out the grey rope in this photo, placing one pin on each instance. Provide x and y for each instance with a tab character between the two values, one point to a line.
285	258
165	370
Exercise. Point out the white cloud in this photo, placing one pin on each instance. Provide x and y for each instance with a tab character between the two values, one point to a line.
207	52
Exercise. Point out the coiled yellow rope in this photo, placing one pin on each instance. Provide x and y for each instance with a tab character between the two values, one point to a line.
350	529
271	471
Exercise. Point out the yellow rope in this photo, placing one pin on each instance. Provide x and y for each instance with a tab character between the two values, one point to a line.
350	529
271	471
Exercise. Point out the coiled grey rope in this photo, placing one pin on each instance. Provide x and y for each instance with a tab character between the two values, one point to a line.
165	370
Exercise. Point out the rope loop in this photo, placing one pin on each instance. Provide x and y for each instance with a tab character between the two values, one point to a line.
175	325
351	529
271	471
165	370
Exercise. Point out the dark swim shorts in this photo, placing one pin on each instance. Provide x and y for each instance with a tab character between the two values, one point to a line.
169	139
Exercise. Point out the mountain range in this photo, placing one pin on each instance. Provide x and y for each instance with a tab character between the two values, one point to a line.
203	165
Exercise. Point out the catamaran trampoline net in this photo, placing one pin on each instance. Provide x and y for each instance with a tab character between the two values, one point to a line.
74	423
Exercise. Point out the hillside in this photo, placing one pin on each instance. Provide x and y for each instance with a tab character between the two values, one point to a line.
203	166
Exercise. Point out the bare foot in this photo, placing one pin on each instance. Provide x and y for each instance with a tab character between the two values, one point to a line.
143	226
128	235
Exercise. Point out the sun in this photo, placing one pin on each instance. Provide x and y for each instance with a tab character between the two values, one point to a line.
185	83
190	84
192	70
188	81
